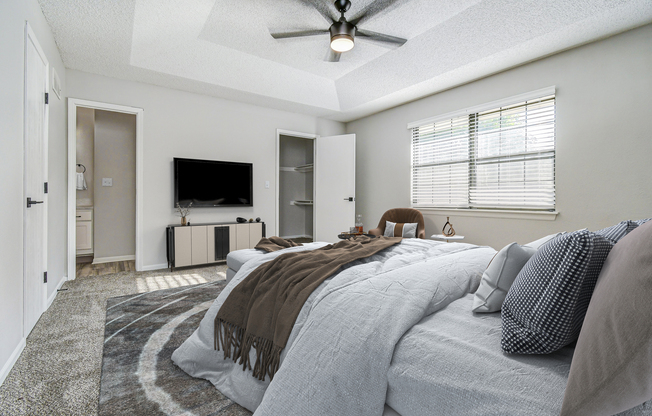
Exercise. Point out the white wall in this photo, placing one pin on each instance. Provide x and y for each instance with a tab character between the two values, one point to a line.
114	212
86	153
13	14
604	141
182	124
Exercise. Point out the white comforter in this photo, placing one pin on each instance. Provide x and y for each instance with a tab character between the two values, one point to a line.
339	352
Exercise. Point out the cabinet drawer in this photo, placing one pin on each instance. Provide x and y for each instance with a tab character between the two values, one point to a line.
84	215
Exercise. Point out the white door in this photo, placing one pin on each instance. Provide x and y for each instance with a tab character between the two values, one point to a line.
35	174
334	186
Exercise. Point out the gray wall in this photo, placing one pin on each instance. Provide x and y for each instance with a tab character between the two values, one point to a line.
182	124
604	144
13	14
114	209
85	149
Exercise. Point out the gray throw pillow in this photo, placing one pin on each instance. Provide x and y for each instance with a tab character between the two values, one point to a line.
536	244
611	369
618	231
408	229
499	276
545	307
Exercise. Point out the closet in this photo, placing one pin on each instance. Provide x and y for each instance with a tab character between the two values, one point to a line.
315	186
296	188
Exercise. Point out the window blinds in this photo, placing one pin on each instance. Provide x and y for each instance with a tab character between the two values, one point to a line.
500	158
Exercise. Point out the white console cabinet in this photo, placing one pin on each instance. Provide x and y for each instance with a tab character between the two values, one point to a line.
209	243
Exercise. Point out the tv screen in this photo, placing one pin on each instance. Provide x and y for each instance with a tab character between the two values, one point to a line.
209	183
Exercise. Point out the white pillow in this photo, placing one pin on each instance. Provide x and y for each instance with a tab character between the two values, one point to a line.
499	276
408	229
536	244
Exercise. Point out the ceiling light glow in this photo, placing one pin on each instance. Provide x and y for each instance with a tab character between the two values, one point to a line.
342	43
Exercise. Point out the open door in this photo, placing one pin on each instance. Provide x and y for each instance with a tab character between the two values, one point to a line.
334	186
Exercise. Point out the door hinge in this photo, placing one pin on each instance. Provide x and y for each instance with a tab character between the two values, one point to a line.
47	98
45	187
45	277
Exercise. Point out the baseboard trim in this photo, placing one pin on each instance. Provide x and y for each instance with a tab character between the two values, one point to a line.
296	236
12	360
54	294
98	260
155	267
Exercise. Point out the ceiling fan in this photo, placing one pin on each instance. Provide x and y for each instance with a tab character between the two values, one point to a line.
342	31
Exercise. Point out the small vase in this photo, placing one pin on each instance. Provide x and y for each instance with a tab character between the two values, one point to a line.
184	221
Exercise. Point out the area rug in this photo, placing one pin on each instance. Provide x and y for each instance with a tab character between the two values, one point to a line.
138	375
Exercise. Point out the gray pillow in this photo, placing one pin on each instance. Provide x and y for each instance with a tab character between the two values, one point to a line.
611	369
408	229
499	276
536	244
618	231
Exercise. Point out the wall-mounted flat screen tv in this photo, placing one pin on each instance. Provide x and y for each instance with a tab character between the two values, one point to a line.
211	183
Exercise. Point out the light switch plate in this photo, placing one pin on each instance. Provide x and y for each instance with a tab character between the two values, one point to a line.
266	184
107	181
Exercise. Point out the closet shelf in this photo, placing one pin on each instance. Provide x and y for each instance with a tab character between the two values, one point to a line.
301	202
304	168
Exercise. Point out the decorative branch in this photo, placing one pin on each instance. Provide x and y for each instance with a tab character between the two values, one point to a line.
183	211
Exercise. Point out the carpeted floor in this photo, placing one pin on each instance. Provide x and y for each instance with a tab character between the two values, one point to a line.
58	372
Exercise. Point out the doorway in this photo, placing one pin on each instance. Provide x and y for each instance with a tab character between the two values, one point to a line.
97	220
296	156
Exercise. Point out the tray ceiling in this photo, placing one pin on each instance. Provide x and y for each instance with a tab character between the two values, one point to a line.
225	49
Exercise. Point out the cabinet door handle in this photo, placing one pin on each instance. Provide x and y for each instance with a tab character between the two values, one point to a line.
349	199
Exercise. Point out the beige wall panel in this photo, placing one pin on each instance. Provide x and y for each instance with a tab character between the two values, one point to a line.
182	246
199	249
233	238
210	243
255	233
242	236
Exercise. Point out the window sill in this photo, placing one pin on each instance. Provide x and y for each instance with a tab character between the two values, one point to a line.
490	213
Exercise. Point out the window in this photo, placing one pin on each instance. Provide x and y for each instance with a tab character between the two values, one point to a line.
498	156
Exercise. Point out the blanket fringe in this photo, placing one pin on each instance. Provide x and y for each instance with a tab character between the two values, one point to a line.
237	344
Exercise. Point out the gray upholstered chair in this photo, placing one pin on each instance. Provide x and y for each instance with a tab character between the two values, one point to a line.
401	215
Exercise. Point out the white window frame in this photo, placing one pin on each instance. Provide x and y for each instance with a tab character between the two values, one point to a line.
524	213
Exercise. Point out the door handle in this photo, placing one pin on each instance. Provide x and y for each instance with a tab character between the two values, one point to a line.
349	199
30	202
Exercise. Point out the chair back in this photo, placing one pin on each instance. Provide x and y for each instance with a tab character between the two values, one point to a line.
401	215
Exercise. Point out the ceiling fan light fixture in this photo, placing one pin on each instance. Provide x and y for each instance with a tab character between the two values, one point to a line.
342	35
342	43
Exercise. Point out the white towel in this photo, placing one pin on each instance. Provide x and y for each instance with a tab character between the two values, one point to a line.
81	182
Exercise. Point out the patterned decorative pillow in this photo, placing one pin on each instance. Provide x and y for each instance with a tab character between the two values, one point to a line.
545	307
618	231
408	229
641	222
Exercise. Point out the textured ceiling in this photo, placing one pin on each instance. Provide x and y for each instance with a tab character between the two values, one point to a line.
225	49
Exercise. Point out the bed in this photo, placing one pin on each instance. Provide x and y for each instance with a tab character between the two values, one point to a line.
390	334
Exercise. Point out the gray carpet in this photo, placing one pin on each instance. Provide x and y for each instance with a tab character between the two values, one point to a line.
58	372
138	375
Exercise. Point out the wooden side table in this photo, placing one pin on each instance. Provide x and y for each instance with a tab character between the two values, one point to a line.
448	239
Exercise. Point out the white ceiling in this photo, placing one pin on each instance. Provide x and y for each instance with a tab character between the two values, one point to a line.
224	48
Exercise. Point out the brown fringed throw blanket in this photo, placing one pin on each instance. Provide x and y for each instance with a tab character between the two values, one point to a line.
275	243
260	311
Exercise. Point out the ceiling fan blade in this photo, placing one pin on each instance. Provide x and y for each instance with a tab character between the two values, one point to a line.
283	35
373	9
333	56
324	10
369	35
